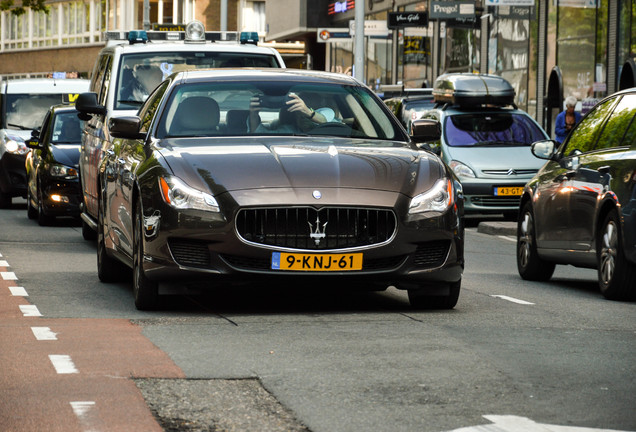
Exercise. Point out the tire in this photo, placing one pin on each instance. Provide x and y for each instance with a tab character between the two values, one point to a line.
616	275
420	300
43	218
32	212
529	265
87	232
108	268
145	291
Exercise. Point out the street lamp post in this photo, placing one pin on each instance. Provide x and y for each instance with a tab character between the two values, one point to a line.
358	60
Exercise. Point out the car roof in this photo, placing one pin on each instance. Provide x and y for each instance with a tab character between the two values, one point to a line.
45	85
270	74
124	47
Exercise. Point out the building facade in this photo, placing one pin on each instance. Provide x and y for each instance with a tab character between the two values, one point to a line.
548	50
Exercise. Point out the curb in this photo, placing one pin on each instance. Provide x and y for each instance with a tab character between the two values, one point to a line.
498	228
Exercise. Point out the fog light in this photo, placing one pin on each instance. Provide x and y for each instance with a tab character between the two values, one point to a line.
59	198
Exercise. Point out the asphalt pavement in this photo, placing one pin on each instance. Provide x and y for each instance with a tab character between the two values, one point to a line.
507	228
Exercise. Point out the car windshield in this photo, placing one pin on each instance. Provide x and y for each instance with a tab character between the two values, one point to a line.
139	74
491	129
234	108
27	111
67	128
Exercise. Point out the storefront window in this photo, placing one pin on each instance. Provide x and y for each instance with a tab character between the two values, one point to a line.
576	49
341	55
414	53
460	49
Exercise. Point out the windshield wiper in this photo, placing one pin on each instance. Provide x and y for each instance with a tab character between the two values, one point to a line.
19	126
499	143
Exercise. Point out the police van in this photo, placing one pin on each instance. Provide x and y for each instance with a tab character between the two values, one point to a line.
24	103
130	66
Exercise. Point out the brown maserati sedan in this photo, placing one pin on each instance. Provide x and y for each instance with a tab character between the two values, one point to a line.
231	177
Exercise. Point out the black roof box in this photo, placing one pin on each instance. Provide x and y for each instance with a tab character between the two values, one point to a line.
468	89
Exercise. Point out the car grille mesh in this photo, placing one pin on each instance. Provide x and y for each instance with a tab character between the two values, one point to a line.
308	228
511	172
190	253
431	254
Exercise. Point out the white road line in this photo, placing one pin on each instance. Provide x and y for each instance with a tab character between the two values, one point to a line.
4	263
512	239
43	333
85	412
510	423
18	291
63	364
512	299
8	276
30	310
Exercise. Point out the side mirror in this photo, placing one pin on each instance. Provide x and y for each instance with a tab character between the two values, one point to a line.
34	141
86	103
546	149
426	130
125	127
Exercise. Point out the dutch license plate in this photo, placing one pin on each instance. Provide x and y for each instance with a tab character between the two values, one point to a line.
509	191
316	262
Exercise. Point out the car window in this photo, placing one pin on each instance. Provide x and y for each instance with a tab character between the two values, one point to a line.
67	128
139	74
583	137
147	112
223	109
618	123
27	111
491	129
629	139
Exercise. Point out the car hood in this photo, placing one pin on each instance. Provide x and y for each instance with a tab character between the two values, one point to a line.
66	154
300	162
482	159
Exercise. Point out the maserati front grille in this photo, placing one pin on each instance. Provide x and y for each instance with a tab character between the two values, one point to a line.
308	228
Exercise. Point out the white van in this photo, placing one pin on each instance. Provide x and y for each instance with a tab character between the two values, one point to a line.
23	104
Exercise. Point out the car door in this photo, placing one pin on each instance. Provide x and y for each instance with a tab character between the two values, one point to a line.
126	156
93	136
600	171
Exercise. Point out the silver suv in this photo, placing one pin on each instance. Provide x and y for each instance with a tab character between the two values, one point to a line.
129	68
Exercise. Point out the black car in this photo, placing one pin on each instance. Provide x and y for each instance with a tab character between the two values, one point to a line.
409	106
52	179
580	209
279	176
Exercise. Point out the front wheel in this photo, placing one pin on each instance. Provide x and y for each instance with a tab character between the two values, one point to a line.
616	275
146	292
529	264
108	268
43	218
32	212
420	299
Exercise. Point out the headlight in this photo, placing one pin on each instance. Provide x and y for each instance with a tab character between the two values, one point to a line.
436	199
181	196
63	171
461	170
16	147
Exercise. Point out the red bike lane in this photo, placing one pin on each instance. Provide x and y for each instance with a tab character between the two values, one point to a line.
72	374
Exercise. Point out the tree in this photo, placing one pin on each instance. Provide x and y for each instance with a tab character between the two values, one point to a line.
35	5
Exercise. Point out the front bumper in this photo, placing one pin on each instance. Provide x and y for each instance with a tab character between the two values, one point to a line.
61	197
479	195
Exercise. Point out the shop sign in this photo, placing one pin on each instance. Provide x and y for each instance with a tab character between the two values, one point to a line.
516	12
444	10
578	3
509	3
168	27
407	19
340	6
336	34
371	28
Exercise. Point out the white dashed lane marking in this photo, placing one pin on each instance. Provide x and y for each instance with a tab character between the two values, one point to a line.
512	299
4	263
18	291
43	333
30	311
8	276
63	364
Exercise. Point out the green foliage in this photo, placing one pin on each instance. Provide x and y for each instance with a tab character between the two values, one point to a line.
35	5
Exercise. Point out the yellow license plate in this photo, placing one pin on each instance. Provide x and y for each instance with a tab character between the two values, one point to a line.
316	262
509	191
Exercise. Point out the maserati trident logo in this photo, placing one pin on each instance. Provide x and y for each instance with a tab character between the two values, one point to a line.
316	234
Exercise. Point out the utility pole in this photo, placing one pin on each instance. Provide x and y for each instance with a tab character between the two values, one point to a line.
358	59
146	15
223	15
